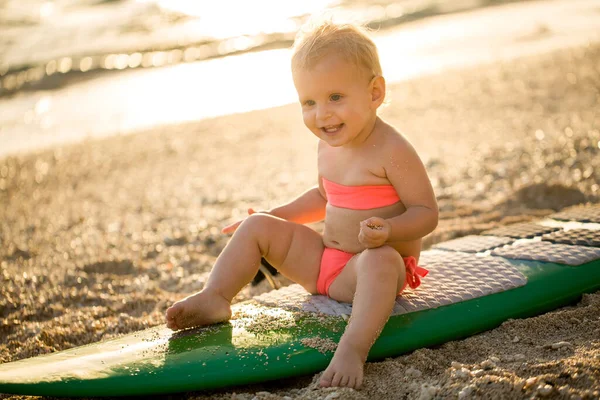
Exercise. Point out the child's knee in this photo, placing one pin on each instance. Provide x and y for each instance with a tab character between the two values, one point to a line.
381	260
258	223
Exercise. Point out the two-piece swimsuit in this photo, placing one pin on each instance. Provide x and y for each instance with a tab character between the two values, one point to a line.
360	198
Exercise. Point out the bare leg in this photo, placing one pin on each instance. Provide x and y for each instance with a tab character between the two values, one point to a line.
295	250
374	279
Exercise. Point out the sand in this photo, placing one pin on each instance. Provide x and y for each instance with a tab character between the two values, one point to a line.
98	239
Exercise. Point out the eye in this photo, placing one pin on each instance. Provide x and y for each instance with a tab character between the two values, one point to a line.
309	103
335	97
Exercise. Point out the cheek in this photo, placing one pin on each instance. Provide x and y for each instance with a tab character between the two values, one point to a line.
307	117
344	109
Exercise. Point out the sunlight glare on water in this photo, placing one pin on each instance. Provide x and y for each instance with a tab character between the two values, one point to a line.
245	17
264	82
142	98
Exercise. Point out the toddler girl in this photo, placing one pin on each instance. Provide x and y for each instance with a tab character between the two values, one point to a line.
373	193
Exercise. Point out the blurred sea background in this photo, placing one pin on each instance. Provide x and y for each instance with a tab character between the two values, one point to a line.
35	32
90	53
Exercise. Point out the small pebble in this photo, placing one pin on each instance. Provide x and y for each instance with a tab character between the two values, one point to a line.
413	372
376	227
564	390
545	390
478	372
519	385
466	392
530	382
462	373
332	396
456	365
428	392
560	345
488	364
516	339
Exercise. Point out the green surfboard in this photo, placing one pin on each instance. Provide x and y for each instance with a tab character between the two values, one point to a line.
475	283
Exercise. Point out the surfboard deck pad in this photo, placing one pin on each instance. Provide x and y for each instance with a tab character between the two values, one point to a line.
453	277
576	237
475	283
474	244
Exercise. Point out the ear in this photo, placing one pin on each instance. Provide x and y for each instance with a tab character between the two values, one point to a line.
377	89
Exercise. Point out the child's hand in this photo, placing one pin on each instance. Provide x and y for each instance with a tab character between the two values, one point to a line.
232	227
374	232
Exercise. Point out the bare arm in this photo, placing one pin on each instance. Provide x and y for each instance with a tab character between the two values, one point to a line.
414	224
306	208
407	174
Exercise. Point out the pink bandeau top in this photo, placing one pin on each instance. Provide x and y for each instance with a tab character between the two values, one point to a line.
360	197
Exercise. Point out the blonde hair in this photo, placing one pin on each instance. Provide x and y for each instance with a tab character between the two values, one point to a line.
317	40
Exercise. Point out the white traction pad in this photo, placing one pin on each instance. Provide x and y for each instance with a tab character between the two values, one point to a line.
581	213
550	252
522	230
575	237
474	243
453	277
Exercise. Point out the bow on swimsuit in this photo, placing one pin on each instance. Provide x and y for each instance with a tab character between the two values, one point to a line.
360	198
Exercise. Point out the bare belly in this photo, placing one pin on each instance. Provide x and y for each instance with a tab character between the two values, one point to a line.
342	227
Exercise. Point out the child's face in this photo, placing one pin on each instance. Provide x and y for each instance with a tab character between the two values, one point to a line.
336	99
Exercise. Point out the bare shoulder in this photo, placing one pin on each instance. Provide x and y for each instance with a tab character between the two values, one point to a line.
406	172
395	145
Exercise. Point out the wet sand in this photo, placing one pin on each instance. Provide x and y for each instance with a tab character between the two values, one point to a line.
98	239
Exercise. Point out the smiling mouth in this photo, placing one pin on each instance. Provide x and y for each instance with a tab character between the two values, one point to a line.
332	129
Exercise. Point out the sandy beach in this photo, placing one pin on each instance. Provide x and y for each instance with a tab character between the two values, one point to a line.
97	239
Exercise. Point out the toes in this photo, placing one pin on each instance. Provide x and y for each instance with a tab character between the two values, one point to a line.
170	322
337	377
172	325
171	316
344	381
326	379
173	311
351	383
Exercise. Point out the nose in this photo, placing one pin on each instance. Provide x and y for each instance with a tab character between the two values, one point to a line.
323	113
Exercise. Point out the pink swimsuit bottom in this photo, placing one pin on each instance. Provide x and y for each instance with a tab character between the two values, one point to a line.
334	261
360	198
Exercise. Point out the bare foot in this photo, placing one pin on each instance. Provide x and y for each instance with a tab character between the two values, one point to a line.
345	369
202	308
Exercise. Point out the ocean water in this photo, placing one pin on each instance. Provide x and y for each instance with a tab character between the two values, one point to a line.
41	38
66	88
